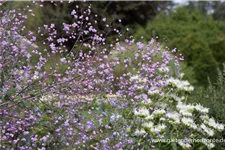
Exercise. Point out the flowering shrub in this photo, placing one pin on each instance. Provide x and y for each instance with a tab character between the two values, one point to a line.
79	101
164	115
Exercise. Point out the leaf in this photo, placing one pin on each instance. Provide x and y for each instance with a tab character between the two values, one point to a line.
174	146
202	147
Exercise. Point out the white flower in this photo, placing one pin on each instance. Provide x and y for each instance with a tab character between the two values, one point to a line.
212	123
139	79
189	122
139	132
158	128
148	124
155	130
219	127
210	145
189	88
181	75
141	112
185	110
142	80
149	117
35	77
161	127
158	112
162	119
181	85
111	96
207	130
49	97
175	97
139	87
202	109
184	145
133	78
204	117
207	143
174	116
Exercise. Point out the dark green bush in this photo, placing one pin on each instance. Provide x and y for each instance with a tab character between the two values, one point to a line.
213	97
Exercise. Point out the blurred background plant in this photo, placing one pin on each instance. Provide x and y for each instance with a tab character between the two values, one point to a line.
213	97
198	36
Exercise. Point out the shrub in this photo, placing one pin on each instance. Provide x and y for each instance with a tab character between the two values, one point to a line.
196	35
72	102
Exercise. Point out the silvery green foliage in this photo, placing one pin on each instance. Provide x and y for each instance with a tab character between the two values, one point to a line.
165	115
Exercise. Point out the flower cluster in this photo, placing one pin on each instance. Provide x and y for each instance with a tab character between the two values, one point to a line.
166	111
52	97
182	85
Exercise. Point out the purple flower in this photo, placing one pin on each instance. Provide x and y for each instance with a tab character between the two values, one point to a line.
104	19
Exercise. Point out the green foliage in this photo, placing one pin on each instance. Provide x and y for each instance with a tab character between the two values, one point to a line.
214	98
219	11
199	56
199	38
130	12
